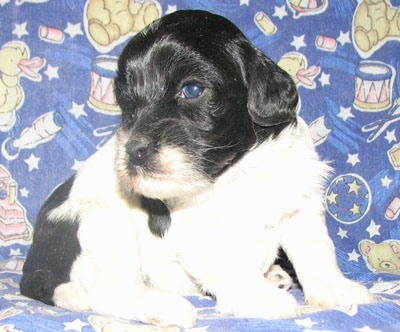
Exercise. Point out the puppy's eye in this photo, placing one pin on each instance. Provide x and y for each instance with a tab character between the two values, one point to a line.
192	90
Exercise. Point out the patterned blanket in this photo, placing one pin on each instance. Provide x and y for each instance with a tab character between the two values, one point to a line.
57	62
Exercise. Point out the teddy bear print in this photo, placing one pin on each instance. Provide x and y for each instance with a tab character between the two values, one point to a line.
381	257
108	20
375	21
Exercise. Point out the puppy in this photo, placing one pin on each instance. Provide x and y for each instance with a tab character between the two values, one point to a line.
210	173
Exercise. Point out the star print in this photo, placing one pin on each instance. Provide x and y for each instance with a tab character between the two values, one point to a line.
391	136
345	113
15	252
367	329
171	9
298	42
324	79
51	72
280	12
353	256
386	182
354	187
24	192
77	110
77	165
353	159
244	2
32	162
342	233
344	38
76	325
73	29
198	329
306	322
20	30
355	209
373	229
332	198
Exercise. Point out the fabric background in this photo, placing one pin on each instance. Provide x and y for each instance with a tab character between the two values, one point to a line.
57	60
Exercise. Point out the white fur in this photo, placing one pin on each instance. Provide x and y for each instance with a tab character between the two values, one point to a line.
222	240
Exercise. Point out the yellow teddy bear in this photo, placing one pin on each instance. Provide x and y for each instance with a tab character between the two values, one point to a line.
375	21
382	257
110	19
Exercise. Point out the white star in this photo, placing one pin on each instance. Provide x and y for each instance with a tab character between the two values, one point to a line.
77	110
244	2
298	42
353	159
373	229
20	30
280	12
51	72
4	2
76	325
344	38
386	181
24	192
324	79
171	9
306	322
73	29
342	233
391	136
353	256
15	252
345	113
77	165
33	162
367	329
198	329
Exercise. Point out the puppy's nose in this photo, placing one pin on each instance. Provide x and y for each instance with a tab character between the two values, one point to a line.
139	151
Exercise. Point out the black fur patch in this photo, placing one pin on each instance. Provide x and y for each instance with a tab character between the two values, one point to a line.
55	247
159	216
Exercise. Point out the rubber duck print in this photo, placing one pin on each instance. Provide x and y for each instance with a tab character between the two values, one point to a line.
295	64
15	61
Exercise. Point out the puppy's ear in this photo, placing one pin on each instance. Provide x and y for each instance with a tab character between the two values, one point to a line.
272	94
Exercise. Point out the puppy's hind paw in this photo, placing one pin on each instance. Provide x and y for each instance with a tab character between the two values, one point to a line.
337	293
279	277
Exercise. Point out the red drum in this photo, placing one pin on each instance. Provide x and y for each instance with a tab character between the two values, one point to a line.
372	86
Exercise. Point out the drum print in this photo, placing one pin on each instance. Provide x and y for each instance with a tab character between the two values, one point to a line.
372	86
102	97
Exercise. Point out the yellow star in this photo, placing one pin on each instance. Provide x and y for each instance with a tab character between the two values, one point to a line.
332	198
354	187
355	209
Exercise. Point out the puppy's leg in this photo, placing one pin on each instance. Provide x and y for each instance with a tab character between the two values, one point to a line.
251	295
305	239
106	277
235	276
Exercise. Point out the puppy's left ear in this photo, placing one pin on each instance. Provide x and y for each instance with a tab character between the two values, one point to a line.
272	94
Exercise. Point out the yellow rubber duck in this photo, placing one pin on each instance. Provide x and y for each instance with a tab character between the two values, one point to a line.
295	64
15	61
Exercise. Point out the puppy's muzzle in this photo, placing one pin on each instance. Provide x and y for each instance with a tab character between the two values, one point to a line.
140	151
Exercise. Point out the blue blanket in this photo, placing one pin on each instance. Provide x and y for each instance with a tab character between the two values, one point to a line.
57	62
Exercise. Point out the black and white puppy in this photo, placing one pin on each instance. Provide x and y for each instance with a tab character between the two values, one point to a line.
210	173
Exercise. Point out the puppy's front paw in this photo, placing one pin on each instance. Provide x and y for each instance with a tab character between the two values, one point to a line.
272	303
171	310
339	292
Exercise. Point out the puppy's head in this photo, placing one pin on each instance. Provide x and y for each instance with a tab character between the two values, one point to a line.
195	97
